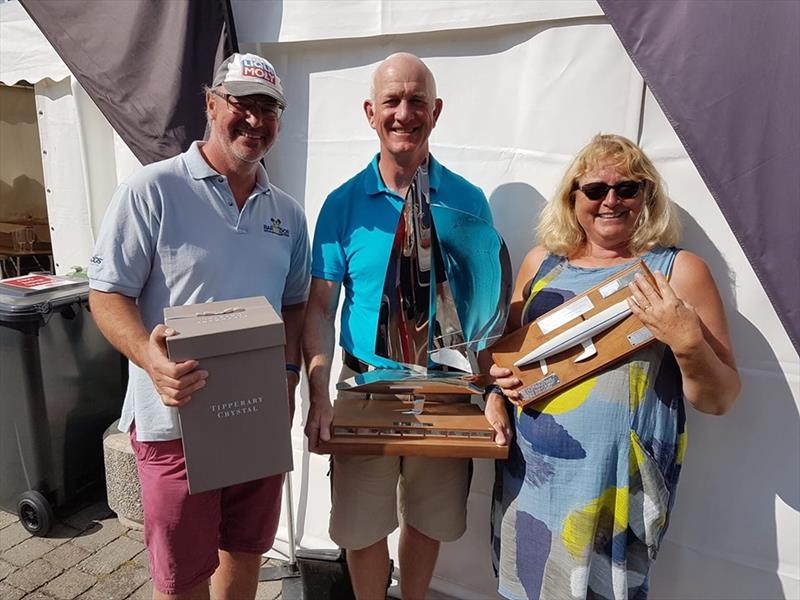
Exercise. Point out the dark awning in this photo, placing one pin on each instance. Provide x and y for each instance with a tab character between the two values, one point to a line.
143	63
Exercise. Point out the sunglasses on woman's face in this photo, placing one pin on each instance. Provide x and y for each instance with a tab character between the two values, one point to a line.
598	190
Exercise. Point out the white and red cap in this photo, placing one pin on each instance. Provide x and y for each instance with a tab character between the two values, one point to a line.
249	74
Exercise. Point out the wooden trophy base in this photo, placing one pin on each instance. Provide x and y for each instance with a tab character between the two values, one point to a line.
573	363
420	426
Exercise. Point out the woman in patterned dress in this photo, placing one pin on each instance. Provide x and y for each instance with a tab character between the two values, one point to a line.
583	500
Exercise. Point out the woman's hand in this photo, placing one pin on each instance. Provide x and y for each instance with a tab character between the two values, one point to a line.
507	381
687	315
670	319
495	413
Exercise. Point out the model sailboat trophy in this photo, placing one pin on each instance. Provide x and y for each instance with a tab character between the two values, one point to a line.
445	298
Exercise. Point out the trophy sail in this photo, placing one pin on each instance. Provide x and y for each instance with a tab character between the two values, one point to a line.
445	297
478	268
402	332
418	326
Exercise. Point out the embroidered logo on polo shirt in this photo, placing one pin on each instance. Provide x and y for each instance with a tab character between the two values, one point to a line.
275	228
95	260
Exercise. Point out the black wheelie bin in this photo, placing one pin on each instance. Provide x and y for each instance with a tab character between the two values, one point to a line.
61	385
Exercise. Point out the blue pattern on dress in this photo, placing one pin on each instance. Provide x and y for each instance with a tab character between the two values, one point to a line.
547	437
532	550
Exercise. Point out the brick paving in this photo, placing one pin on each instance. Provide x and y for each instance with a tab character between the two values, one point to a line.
88	555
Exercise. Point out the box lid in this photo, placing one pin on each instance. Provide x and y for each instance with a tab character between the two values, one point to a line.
224	327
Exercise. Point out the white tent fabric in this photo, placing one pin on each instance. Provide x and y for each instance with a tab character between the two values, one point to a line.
525	84
25	54
308	20
80	159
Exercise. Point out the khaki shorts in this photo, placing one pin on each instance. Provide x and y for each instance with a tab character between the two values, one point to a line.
433	495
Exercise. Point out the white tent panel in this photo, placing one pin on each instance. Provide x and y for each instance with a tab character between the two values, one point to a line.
464	569
307	20
25	54
126	164
325	132
97	157
78	159
65	188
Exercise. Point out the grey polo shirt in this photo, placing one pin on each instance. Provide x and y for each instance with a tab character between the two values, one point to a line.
173	235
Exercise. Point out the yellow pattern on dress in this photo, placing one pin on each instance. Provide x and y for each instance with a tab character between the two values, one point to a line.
580	525
568	400
637	378
636	456
683	440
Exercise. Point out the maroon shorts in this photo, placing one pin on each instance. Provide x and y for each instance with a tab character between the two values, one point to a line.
183	533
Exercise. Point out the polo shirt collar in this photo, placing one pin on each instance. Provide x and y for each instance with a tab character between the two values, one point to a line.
373	183
199	169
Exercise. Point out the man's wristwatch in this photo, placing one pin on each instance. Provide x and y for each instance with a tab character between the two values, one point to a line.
493	389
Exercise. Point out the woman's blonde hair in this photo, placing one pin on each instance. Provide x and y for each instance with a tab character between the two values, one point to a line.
657	225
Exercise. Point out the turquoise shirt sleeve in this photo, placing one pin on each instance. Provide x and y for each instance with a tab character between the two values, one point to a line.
328	255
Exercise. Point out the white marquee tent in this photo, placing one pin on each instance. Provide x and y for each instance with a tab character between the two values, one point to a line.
735	531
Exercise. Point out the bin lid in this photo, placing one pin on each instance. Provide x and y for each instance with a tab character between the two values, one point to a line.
31	296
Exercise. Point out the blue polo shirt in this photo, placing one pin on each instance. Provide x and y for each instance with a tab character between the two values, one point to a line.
353	240
173	235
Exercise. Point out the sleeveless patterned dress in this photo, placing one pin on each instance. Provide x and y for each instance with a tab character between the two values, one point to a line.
583	500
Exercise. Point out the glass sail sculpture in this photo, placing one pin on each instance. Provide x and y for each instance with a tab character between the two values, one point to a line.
445	298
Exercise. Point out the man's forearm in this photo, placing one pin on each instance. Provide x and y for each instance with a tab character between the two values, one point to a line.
319	334
120	321
318	346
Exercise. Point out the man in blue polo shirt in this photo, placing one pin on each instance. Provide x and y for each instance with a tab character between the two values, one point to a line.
203	226
352	242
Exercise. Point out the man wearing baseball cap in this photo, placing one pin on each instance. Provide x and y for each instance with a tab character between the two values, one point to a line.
203	226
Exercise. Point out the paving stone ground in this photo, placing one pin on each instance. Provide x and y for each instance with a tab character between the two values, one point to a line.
88	555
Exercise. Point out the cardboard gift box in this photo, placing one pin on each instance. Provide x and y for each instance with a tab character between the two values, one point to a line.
576	339
421	426
237	427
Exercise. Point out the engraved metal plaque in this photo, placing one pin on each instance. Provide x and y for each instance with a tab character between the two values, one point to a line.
640	336
542	386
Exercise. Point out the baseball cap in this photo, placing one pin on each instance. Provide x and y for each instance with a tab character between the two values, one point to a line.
247	74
